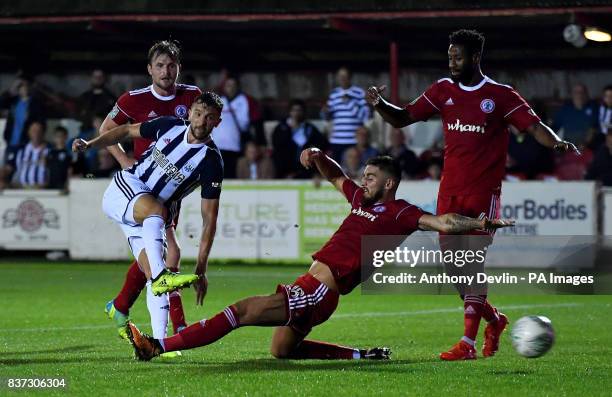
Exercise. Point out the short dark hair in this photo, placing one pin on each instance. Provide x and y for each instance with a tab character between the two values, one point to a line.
62	129
297	102
168	47
388	165
471	40
210	99
608	88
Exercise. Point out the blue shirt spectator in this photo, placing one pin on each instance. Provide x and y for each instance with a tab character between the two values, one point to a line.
577	118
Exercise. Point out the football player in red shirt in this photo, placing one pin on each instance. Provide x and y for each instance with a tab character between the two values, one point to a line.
164	97
296	308
476	112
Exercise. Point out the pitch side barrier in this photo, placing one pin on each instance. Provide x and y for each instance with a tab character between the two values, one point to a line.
278	220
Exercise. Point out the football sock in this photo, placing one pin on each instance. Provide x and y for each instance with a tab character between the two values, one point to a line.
203	332
489	313
158	309
135	281
472	311
152	234
177	315
312	349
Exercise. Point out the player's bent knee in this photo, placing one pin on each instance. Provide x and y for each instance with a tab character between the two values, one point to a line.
279	351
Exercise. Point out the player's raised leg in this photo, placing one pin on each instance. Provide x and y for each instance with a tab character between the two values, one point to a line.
151	214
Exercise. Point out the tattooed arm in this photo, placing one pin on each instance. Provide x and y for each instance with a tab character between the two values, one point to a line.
456	224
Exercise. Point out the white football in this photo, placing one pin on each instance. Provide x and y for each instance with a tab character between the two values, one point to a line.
532	336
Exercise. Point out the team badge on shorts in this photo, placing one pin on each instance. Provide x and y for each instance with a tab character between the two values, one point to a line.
296	291
379	209
180	111
487	105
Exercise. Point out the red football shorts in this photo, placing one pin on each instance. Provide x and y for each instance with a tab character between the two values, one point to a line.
474	206
308	303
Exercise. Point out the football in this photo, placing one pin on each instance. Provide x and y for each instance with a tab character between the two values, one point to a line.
532	336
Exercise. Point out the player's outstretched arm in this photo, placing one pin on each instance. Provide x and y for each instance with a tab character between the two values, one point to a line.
110	138
327	166
547	137
210	211
117	150
456	224
394	115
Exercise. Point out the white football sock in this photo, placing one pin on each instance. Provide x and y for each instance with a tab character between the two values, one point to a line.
159	307
153	236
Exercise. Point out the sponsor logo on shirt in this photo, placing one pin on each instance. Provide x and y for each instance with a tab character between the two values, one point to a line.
365	214
171	170
487	105
152	114
449	102
458	126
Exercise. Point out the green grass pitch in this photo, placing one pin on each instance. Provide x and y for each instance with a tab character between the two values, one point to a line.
53	325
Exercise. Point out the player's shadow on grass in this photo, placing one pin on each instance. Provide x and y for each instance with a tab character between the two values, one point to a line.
270	364
67	349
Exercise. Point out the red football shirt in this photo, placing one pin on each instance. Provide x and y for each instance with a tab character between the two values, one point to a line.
342	253
475	121
145	104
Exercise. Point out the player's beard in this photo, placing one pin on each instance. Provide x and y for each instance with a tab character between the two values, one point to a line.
368	201
465	75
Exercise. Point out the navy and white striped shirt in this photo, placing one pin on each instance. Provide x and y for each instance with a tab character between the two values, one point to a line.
348	110
605	119
30	165
172	167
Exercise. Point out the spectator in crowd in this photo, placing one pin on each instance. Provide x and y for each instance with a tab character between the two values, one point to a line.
433	169
233	130
366	151
97	100
528	159
601	167
106	165
605	111
577	118
406	158
59	160
30	162
290	137
23	109
86	162
254	165
347	109
352	163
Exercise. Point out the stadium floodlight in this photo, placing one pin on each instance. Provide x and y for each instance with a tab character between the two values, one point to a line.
573	34
596	34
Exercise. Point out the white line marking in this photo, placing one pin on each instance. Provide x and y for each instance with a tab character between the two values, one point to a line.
336	316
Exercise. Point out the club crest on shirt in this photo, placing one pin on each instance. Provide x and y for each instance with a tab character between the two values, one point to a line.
180	111
487	105
379	208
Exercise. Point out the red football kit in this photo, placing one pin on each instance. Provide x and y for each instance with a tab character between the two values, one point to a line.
145	104
475	121
342	253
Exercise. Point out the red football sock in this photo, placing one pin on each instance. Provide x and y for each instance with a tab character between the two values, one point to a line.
472	312
177	315
135	281
322	351
489	312
204	332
